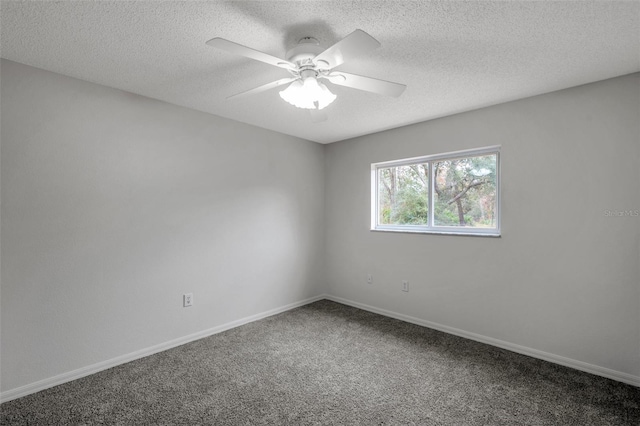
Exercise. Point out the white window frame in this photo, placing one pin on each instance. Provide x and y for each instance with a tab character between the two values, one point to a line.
430	228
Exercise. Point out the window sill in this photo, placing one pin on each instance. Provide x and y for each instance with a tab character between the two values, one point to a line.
495	234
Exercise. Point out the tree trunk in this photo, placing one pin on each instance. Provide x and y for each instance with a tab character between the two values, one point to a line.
392	192
460	212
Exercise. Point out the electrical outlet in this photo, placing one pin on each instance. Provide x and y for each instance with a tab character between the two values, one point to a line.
187	300
369	279
405	285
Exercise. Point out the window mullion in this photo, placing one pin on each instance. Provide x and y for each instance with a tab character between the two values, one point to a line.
430	202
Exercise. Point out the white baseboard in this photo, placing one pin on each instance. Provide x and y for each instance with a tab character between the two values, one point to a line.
556	359
94	368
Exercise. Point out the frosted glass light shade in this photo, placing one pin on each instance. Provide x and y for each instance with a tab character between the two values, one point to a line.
308	94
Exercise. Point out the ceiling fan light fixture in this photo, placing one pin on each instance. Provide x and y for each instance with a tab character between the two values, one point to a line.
308	94
306	62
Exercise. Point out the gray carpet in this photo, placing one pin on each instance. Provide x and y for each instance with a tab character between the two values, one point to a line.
330	364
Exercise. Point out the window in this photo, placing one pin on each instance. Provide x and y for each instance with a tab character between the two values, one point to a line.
453	193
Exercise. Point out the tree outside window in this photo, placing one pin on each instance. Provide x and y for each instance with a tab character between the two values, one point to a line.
460	192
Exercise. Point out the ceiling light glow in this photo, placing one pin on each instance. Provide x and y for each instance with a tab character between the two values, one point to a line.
308	93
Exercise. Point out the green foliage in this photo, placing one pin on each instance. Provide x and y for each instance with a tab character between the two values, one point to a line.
465	193
403	195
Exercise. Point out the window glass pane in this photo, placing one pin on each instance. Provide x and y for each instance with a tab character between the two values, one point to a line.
465	192
402	195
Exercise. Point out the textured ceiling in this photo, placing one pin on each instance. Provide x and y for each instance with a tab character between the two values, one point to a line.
453	56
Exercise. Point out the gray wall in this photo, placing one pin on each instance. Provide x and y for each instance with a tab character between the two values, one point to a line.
114	205
564	278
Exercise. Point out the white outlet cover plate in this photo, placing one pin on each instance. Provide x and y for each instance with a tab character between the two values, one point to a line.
187	300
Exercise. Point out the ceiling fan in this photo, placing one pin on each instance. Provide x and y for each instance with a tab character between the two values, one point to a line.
307	62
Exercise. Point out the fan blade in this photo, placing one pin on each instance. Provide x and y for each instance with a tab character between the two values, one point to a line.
318	115
368	84
354	44
248	52
264	87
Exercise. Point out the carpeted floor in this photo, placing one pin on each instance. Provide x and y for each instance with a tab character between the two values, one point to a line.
330	364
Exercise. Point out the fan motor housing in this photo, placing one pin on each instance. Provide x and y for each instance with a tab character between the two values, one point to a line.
306	49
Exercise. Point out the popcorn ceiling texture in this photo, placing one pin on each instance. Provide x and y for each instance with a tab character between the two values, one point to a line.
453	56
